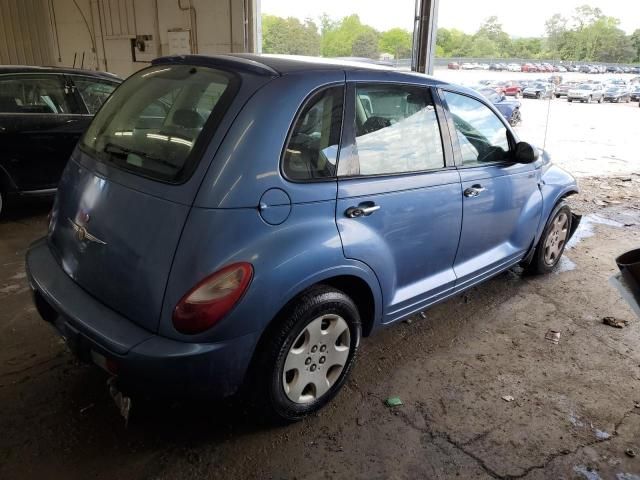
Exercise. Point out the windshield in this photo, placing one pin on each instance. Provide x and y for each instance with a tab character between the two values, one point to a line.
584	87
151	124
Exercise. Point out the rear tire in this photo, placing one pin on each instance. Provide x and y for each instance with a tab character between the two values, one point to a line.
307	355
552	242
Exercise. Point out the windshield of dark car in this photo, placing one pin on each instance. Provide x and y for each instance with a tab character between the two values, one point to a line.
151	124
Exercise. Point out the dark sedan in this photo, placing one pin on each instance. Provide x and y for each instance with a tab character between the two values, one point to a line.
635	93
510	109
616	94
43	112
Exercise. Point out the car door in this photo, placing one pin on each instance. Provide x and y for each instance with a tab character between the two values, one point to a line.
399	206
38	128
501	200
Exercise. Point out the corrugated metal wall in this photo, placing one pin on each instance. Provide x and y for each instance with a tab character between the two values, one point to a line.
25	33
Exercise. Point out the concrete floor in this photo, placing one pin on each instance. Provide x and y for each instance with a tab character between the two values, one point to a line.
576	407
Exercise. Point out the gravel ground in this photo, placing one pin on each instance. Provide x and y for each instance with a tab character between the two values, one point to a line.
575	408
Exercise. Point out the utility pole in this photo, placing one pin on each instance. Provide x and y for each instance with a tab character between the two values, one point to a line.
424	36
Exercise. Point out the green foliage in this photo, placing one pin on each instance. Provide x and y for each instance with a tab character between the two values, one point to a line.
397	42
289	36
588	36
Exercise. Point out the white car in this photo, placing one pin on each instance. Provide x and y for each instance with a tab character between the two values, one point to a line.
586	92
467	66
514	67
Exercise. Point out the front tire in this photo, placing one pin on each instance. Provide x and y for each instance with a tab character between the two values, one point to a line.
308	355
552	241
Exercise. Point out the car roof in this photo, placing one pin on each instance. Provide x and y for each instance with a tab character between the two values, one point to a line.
6	69
277	65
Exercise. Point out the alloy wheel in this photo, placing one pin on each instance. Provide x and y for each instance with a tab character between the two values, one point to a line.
316	359
554	244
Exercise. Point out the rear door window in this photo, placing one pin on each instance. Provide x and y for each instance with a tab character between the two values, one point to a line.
93	91
397	130
152	125
36	94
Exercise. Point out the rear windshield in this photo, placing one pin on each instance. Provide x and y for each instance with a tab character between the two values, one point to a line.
152	123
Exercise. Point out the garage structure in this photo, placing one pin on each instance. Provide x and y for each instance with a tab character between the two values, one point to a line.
121	36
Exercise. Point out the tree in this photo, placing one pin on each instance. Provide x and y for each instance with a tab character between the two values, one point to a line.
454	43
289	36
366	44
397	42
338	37
556	29
635	44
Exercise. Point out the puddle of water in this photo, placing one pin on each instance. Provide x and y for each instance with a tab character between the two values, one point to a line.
627	476
586	230
19	276
9	288
588	474
565	265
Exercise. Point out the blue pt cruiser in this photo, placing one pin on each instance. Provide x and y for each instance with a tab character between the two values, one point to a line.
242	221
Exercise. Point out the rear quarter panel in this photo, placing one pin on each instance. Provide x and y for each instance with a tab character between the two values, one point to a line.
286	258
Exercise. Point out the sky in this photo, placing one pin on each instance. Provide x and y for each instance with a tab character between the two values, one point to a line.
519	18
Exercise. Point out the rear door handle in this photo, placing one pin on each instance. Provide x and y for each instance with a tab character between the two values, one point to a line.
474	190
363	210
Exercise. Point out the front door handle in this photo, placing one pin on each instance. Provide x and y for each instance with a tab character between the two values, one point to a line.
363	210
474	190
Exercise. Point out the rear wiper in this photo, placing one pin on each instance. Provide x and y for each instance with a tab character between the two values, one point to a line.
124	152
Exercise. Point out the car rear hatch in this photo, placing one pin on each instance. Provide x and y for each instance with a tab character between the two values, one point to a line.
128	188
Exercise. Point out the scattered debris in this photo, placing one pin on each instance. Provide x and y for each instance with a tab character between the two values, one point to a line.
84	409
360	421
615	322
408	321
636	404
508	398
122	401
423	315
553	336
630	452
587	472
393	402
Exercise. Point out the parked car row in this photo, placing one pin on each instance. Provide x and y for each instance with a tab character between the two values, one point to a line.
614	90
542	67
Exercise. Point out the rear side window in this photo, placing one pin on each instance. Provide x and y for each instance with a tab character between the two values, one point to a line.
93	91
311	152
40	94
397	130
151	125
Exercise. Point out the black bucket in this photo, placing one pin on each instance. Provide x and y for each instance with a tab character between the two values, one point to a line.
629	265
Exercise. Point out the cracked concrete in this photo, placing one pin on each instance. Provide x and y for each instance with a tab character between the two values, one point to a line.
572	417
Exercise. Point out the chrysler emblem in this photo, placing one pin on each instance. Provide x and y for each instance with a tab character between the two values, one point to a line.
82	234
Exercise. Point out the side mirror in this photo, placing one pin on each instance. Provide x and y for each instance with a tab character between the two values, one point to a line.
525	153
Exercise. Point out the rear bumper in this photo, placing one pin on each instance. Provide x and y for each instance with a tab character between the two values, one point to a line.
142	360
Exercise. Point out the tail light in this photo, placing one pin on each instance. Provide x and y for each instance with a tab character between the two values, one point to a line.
211	299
